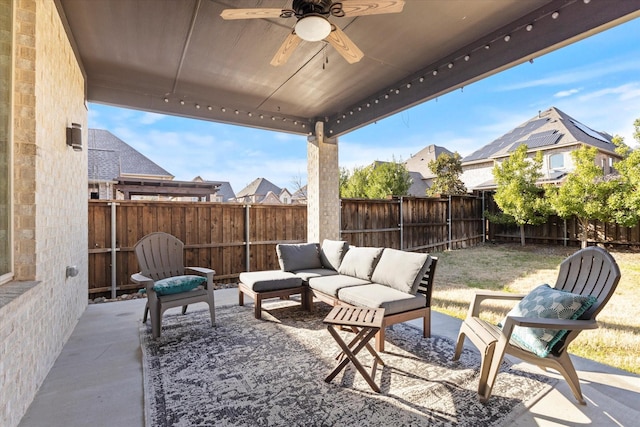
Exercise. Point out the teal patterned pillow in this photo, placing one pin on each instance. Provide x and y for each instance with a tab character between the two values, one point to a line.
175	285
546	302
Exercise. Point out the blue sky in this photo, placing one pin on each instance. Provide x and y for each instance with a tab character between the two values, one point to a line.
596	81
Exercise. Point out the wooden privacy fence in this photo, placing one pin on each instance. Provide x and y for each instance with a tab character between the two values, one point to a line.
229	237
413	223
232	238
558	231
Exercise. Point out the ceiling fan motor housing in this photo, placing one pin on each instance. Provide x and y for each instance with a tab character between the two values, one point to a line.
318	7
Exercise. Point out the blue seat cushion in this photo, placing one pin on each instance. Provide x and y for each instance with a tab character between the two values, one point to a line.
547	303
178	284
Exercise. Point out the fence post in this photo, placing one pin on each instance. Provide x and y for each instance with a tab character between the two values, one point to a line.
247	236
114	249
449	221
401	200
484	221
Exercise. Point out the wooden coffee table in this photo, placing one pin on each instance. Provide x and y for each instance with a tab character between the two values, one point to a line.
365	323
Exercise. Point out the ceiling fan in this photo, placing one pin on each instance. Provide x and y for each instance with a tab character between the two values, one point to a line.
313	24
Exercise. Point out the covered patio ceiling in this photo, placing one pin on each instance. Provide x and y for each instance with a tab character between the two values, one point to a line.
180	57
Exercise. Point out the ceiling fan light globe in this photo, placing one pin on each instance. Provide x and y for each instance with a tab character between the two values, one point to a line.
313	28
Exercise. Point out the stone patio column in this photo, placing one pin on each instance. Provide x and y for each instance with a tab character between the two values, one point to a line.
323	197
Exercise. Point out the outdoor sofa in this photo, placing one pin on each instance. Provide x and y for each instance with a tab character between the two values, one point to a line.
337	274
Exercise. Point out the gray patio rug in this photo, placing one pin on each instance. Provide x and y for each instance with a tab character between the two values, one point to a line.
270	372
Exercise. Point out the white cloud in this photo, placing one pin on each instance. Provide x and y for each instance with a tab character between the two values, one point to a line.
150	118
565	93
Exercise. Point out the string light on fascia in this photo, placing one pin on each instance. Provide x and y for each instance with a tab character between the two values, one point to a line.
181	102
224	110
555	15
237	112
209	107
262	116
507	38
386	96
435	72
250	114
487	46
421	79
397	91
467	58
529	27
408	85
166	100
450	65
197	106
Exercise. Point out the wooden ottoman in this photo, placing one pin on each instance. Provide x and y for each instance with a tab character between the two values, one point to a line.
261	285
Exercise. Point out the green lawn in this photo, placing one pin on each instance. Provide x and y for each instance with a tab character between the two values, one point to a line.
519	269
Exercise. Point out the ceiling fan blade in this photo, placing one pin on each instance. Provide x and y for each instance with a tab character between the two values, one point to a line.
344	45
250	13
371	7
282	55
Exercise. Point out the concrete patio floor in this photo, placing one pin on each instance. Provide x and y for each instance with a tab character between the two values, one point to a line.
97	379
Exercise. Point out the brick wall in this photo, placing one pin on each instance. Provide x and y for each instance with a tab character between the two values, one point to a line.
50	215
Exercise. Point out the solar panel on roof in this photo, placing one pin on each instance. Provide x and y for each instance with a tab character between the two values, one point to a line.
592	133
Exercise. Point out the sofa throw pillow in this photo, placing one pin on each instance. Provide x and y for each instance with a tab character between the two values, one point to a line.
360	262
401	270
303	256
548	303
178	284
332	252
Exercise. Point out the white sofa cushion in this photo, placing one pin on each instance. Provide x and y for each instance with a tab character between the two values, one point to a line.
292	257
401	270
330	285
360	262
376	295
332	252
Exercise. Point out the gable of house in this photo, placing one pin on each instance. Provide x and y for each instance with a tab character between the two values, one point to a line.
257	190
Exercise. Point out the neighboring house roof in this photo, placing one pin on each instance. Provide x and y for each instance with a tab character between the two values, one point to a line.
104	165
419	162
225	190
259	187
108	154
418	186
549	129
300	195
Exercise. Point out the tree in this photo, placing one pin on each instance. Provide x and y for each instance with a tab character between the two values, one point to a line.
517	195
584	193
447	170
625	199
375	181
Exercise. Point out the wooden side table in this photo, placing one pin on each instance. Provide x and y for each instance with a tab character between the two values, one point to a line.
365	323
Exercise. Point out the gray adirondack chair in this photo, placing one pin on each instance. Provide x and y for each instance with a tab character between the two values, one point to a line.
590	271
160	256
